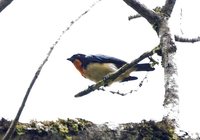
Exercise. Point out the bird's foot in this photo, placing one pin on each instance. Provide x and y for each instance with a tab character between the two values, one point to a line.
105	79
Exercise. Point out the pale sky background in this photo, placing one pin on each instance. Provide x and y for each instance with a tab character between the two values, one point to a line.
29	28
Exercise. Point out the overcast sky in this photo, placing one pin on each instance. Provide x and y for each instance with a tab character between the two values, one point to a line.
29	28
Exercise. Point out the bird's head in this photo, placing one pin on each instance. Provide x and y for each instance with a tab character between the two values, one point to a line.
78	56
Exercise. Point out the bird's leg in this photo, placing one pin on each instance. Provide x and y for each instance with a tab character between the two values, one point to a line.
100	88
105	79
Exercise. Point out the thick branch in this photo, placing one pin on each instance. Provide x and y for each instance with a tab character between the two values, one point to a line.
4	4
160	24
148	14
110	78
168	47
168	7
189	40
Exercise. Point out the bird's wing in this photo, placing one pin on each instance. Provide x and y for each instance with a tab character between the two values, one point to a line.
105	59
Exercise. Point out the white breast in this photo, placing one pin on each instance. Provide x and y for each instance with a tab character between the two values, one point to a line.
97	72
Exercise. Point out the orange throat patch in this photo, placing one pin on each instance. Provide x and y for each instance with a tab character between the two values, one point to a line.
77	63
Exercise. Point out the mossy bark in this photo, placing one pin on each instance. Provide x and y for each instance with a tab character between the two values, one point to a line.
81	129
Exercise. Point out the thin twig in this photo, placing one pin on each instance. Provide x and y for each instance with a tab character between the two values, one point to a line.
186	40
131	91
120	93
181	19
148	14
110	78
11	128
156	9
134	16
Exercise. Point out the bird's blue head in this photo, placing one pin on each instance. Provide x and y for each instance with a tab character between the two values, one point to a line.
78	56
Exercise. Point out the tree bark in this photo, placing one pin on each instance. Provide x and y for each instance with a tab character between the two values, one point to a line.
168	48
4	4
80	129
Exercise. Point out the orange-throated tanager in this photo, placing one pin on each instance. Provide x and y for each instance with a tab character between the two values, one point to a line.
96	67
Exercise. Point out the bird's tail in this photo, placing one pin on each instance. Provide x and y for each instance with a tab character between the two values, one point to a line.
143	67
138	67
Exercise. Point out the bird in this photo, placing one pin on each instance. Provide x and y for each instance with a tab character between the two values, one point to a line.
97	67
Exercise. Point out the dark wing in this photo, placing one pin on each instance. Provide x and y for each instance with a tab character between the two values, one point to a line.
104	59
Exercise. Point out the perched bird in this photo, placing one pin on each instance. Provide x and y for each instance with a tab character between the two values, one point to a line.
96	67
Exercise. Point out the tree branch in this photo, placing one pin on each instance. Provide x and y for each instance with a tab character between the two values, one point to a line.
168	7
4	4
110	78
158	10
11	128
148	14
134	16
168	47
168	51
189	40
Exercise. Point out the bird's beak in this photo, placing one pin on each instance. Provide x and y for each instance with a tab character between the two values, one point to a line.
70	59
